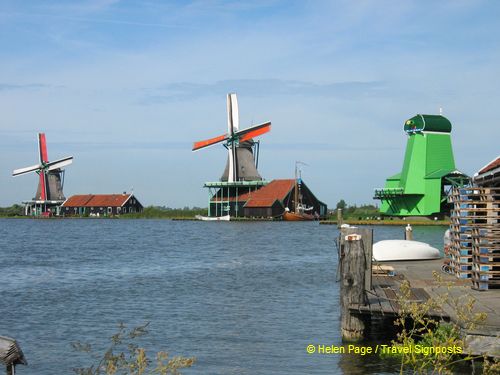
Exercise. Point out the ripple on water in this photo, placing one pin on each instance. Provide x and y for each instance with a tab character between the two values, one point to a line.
244	298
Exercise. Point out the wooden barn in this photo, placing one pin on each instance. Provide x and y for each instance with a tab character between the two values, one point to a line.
267	201
101	205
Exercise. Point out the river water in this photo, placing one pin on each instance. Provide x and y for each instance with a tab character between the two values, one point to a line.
241	297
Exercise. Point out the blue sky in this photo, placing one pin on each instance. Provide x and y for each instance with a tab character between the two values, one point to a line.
127	86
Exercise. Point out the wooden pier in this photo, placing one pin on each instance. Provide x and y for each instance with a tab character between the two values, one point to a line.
383	288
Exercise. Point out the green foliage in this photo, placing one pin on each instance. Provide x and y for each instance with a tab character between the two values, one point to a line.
14	210
124	356
341	205
433	346
362	212
356	213
156	212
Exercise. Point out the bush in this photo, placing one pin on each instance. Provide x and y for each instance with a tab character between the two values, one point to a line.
125	357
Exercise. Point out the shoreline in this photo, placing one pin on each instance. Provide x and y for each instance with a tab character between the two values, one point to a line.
387	222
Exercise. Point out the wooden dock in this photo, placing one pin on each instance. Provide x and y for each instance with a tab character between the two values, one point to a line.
382	299
370	289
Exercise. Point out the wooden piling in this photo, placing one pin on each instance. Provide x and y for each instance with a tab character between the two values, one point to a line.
355	262
409	233
340	218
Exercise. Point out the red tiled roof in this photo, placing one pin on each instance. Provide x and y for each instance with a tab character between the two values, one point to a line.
77	200
97	200
277	189
267	195
494	164
264	202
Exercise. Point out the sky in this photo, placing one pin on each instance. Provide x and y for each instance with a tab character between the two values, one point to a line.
126	87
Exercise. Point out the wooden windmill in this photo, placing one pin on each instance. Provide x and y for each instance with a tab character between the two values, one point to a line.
241	165
51	180
240	175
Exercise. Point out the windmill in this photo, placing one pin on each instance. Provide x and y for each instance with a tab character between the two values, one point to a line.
428	172
241	163
51	178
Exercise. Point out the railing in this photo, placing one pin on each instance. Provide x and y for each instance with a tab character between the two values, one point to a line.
388	193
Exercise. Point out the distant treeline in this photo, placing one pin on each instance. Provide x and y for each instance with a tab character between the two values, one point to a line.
151	212
14	210
159	212
356	212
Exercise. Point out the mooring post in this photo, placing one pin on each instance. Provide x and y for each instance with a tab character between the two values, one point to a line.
354	260
340	218
409	233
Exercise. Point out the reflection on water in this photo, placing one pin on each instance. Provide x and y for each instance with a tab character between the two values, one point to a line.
244	298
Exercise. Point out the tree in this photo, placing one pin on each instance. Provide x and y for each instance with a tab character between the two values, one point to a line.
341	204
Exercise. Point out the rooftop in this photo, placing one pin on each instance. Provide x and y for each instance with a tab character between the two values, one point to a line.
97	200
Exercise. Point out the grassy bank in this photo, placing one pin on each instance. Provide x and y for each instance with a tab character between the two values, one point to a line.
155	212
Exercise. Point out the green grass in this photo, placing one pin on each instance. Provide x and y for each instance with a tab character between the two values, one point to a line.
155	212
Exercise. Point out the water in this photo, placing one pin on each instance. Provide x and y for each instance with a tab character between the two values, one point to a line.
243	298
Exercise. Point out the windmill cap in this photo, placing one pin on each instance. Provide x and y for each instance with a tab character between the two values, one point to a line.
434	123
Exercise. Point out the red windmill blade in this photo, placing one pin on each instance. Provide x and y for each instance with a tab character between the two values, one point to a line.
254	131
209	142
234	136
241	136
44	158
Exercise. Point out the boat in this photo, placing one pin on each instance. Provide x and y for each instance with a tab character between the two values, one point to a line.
214	218
392	250
301	212
298	215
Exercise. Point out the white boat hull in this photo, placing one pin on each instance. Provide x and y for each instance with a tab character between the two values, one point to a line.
390	250
215	218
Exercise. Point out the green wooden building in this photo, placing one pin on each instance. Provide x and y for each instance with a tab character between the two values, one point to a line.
428	173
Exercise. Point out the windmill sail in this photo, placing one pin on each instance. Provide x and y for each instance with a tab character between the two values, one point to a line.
58	164
50	185
240	164
20	171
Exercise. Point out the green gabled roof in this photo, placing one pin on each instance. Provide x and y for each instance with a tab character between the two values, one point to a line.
440	173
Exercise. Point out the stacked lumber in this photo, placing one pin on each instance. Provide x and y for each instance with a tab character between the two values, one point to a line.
475	236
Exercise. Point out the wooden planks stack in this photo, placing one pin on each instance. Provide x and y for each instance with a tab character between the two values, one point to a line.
475	236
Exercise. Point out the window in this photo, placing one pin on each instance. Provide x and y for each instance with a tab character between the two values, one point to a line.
110	210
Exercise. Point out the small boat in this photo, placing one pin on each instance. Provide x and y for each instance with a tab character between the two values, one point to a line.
301	212
214	218
297	216
390	250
